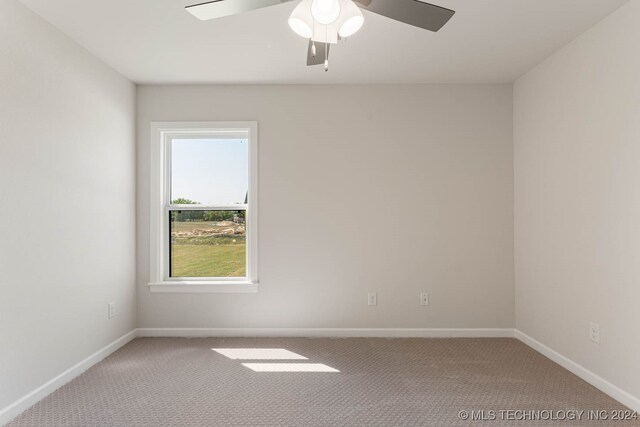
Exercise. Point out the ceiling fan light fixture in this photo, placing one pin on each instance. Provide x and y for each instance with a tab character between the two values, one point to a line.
348	22
325	12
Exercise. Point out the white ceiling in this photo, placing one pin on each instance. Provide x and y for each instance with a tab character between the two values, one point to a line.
156	41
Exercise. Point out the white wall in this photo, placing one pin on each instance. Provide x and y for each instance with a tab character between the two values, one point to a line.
67	203
393	189
577	199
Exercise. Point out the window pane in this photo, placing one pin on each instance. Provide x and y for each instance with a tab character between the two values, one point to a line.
209	171
208	244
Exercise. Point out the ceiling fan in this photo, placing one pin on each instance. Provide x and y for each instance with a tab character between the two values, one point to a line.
326	22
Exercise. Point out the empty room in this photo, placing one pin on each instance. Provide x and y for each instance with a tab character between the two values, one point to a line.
319	213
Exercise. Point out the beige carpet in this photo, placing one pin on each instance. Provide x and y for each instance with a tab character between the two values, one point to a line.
381	382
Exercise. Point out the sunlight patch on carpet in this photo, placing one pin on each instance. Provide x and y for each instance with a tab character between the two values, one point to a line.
258	354
289	367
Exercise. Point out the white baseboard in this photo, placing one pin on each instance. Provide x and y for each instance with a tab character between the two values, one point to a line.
600	383
327	332
22	404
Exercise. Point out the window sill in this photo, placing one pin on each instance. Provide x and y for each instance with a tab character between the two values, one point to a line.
188	287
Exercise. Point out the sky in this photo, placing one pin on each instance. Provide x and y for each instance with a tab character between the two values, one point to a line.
210	171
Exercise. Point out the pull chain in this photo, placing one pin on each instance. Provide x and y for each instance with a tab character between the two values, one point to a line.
326	49
313	39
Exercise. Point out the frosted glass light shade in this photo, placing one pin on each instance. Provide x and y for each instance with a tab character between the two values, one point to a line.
300	27
351	19
301	21
352	26
325	12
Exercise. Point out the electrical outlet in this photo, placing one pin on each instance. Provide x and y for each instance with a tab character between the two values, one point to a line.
372	298
111	310
594	332
424	298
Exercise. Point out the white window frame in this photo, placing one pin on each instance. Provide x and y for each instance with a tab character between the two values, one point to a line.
160	204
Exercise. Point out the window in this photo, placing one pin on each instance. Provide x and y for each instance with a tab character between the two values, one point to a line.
203	207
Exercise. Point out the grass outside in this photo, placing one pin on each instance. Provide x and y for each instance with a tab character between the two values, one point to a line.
208	249
208	260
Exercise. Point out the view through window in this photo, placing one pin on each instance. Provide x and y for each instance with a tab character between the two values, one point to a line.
209	182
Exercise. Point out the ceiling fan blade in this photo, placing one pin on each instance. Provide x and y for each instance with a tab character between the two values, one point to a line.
412	12
322	53
219	8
